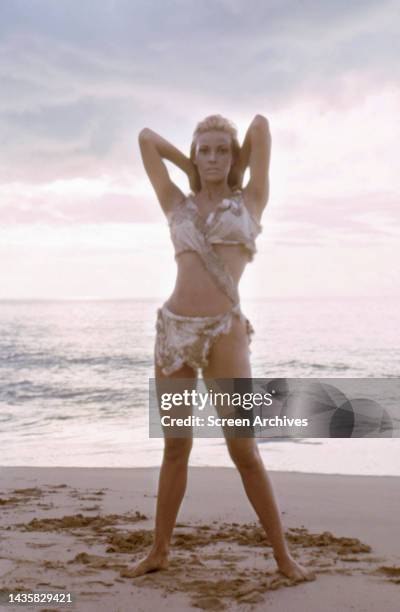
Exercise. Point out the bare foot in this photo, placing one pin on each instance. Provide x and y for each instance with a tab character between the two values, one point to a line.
291	569
152	563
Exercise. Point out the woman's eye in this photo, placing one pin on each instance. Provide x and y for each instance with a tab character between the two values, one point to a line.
205	150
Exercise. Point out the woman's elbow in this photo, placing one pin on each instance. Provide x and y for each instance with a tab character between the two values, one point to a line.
260	121
144	134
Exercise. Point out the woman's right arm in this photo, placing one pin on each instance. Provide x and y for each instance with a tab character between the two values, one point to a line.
153	149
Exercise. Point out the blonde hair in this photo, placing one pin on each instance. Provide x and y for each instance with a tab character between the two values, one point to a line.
218	122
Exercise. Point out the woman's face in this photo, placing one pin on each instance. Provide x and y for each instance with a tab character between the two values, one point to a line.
213	155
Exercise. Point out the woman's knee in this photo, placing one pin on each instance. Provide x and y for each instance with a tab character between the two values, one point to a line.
177	449
244	453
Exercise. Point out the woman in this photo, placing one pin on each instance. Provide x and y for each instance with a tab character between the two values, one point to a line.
201	326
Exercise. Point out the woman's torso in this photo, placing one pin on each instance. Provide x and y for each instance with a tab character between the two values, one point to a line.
196	293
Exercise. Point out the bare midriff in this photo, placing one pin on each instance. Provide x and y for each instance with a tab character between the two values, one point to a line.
196	292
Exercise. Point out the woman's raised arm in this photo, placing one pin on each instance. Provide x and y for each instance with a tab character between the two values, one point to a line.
153	149
256	153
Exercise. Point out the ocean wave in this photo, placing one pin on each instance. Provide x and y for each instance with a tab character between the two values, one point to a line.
46	360
310	364
26	390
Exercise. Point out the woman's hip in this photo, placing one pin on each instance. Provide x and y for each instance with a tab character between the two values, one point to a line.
187	339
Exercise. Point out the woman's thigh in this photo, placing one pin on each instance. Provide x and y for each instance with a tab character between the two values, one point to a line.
230	355
230	360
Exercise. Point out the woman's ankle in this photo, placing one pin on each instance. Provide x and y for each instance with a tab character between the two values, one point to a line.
160	550
282	555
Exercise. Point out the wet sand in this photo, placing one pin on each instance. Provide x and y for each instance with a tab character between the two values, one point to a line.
82	530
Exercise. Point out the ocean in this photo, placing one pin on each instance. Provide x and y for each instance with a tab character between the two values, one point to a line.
74	380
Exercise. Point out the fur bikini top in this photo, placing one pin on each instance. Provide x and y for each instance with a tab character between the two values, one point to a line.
230	223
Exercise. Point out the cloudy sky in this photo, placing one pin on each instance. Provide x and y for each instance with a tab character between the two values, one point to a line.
78	80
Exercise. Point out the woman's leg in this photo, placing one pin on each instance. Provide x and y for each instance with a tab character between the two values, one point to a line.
229	358
171	486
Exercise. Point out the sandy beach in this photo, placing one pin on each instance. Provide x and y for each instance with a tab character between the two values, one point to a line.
81	530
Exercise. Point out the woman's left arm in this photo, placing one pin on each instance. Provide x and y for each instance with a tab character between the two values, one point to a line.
256	153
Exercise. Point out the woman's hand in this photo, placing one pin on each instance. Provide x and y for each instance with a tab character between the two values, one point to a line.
192	176
244	156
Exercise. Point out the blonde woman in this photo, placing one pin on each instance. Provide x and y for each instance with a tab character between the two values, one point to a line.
201	326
